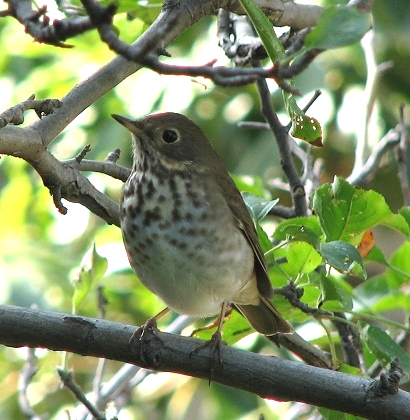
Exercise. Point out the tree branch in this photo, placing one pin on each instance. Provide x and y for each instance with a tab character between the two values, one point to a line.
15	114
41	30
266	376
281	135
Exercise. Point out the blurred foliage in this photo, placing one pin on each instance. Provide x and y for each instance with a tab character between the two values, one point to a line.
42	251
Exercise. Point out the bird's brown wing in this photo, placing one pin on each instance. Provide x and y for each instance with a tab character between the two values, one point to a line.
244	222
263	317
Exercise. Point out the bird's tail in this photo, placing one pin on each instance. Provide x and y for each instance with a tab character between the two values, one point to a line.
264	318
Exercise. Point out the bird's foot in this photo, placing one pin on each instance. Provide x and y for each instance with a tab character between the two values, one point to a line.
215	345
143	337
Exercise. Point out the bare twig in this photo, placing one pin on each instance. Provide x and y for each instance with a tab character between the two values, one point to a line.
369	168
402	159
26	375
68	380
374	72
265	126
108	168
83	153
296	188
37	24
147	54
350	342
15	114
293	295
113	156
126	378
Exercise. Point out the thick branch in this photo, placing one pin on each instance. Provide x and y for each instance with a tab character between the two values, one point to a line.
62	180
266	376
282	12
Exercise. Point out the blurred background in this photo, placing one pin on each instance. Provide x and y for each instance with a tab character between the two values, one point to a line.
42	251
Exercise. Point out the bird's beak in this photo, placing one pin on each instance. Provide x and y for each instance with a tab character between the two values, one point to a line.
131	125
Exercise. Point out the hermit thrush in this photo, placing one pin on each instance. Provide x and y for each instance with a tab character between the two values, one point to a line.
187	232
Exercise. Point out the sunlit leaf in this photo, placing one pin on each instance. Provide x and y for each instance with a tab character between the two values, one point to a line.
399	265
254	185
303	258
306	128
345	212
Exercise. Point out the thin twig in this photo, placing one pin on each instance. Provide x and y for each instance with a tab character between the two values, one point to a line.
402	159
26	375
68	381
350	342
15	114
37	23
368	170
113	156
279	131
108	168
374	72
147	55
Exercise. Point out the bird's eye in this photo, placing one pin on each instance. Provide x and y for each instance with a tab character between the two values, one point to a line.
170	136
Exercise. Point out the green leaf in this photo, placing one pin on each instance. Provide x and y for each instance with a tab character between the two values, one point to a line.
349	369
235	327
337	27
265	30
384	347
264	240
93	268
376	255
398	272
344	257
396	222
334	295
304	127
405	212
372	291
302	258
305	229
99	264
258	207
345	212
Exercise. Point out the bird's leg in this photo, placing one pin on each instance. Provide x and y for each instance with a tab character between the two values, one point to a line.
213	324
215	342
150	327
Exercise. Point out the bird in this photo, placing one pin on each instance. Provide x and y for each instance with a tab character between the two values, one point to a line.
186	229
